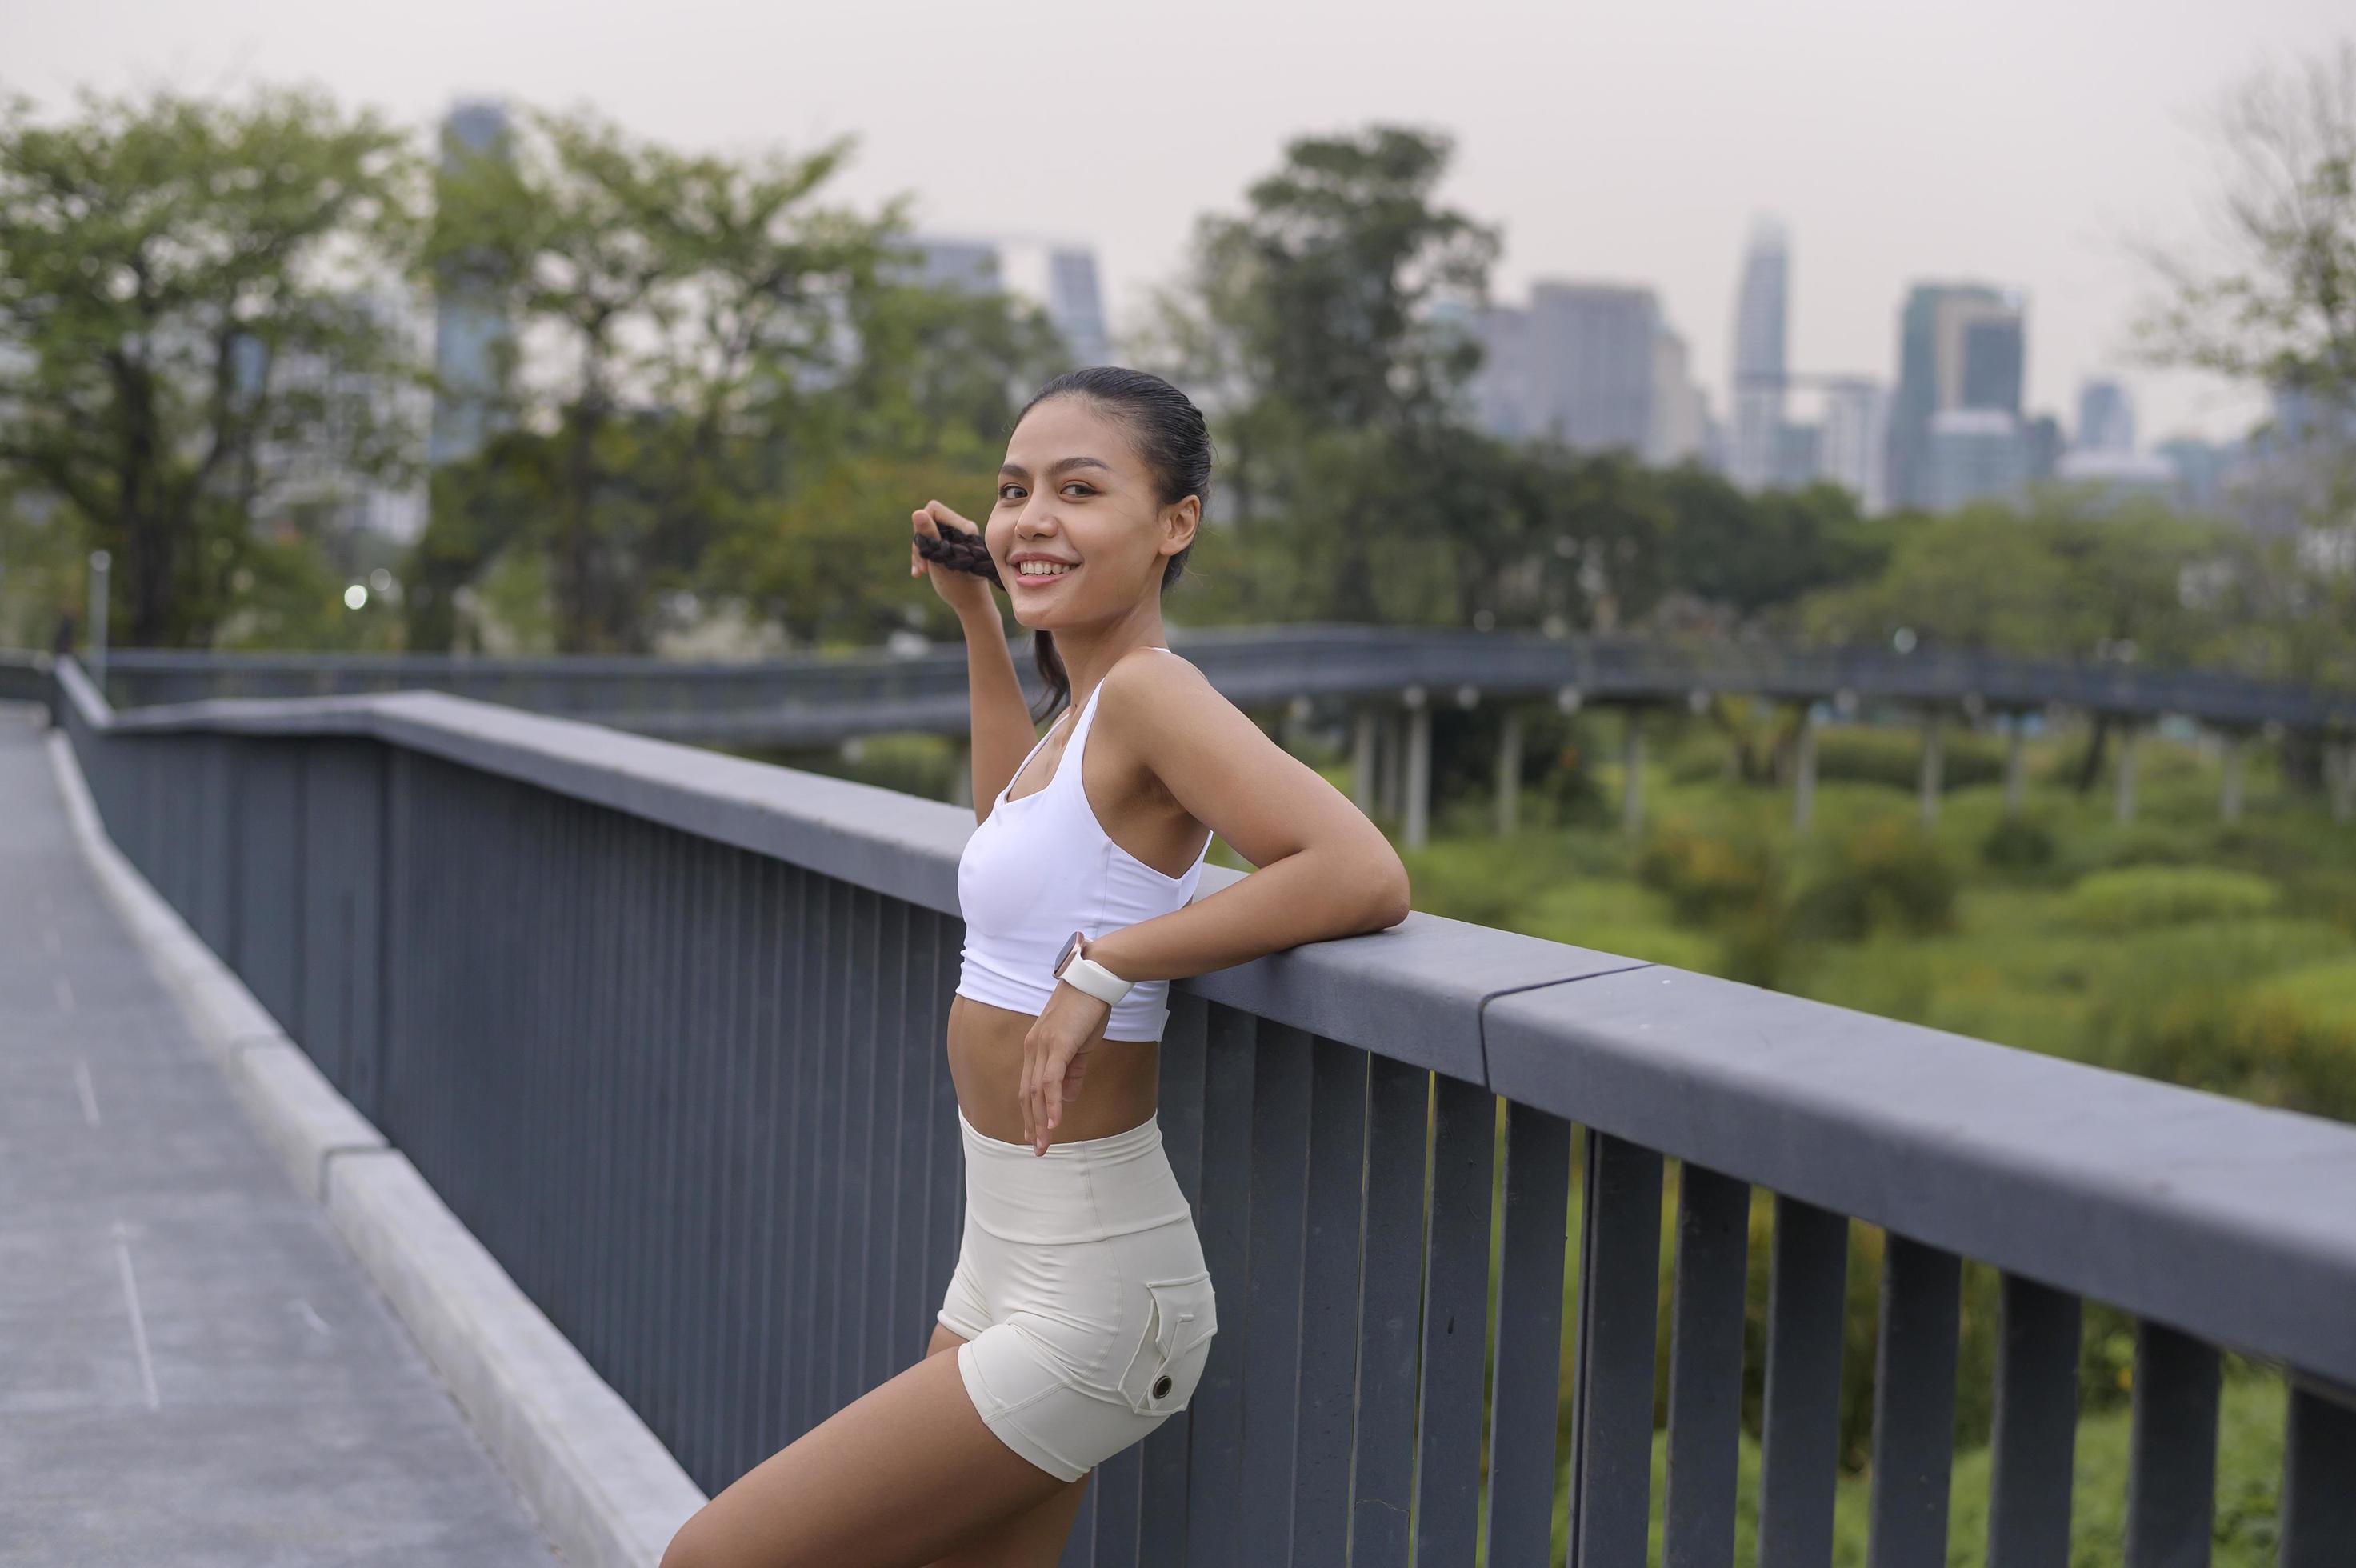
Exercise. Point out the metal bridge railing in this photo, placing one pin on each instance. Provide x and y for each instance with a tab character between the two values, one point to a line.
664	1029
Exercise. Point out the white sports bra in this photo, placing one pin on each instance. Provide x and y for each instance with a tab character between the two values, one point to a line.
1041	866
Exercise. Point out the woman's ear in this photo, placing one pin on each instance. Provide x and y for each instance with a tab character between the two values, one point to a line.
1179	523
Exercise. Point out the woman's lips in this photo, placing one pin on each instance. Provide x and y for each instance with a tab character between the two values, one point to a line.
1042	581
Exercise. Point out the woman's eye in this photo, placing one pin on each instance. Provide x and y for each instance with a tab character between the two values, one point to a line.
1009	492
1075	484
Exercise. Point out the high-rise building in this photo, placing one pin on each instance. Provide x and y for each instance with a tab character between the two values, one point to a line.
2200	468
472	334
1853	445
1075	304
1577	366
2106	418
1796	455
1755	453
1973	454
1060	280
1962	346
1678	415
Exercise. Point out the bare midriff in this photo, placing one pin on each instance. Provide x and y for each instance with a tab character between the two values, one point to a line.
1119	1091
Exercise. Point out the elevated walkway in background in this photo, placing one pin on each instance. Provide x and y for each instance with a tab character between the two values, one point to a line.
193	1370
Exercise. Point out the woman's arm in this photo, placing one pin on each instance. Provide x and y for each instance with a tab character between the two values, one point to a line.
1002	730
1324	870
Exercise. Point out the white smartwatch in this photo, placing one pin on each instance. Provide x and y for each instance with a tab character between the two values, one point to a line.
1086	974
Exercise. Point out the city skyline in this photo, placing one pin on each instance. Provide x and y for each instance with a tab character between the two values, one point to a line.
1630	147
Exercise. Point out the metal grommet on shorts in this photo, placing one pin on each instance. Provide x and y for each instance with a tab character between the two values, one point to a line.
1161	1386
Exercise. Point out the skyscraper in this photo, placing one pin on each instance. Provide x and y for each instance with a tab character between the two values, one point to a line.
1853	450
1678	416
472	336
1756	449
2106	418
1960	346
1059	279
1577	366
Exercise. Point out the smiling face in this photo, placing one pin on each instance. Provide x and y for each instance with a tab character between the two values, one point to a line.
1076	497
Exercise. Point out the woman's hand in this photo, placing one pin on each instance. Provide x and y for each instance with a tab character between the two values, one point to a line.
1056	1058
961	591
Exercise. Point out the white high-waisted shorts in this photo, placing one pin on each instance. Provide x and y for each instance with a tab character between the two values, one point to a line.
1081	1291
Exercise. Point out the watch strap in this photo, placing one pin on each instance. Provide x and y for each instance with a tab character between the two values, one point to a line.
1086	974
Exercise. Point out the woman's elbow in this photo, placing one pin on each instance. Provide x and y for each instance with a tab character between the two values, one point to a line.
1389	896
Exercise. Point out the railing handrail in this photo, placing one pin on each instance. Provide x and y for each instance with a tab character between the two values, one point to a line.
1618	667
2234	1221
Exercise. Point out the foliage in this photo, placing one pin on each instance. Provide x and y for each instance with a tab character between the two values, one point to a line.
1884	876
1894	756
2018	844
2166	895
191	290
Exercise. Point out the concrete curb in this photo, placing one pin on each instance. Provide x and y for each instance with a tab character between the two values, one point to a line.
605	1493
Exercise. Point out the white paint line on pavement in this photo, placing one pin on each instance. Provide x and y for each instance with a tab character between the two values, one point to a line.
317	1323
88	1094
64	989
138	1321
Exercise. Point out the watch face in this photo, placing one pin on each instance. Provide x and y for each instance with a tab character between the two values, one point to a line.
1071	946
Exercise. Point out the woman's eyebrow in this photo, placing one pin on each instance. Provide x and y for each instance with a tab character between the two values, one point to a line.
1061	465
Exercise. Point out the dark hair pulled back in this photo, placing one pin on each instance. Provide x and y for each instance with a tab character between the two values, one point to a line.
1170	435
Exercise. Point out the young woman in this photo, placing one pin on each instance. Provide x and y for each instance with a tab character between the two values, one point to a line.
1080	1314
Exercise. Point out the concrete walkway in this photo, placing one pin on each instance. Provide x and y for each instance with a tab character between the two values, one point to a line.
193	1370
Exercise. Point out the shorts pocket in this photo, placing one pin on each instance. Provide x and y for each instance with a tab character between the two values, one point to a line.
1168	1362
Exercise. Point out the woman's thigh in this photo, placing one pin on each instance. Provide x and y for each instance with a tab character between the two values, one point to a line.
903	1475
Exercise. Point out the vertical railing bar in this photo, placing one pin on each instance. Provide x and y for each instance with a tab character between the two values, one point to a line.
1329	1313
2318	1487
1697	1504
2033	1441
1282	1070
1914	1405
1522	1408
1162	1461
1801	1429
1619	1309
2172	1449
1455	1323
1390	1300
1215	1534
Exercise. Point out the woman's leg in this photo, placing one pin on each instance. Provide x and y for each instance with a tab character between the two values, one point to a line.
1032	1538
902	1476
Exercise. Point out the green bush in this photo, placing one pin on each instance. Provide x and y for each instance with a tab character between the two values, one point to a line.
1885	875
2166	895
2018	844
1710	876
2294	1038
2172	1004
1894	756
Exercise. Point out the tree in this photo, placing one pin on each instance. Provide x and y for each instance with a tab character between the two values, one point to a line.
184	292
688	301
2278	308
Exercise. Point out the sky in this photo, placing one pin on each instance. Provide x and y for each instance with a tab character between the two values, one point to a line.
2023	143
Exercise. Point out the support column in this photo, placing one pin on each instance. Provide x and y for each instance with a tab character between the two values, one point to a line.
1362	757
1934	765
1509	767
1393	763
2125	808
1804	772
2229	802
961	774
2016	767
1632	786
1418	776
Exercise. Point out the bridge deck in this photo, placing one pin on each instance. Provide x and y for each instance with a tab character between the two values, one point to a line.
192	1370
